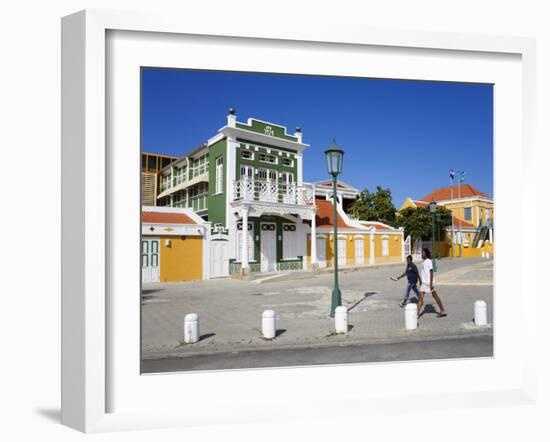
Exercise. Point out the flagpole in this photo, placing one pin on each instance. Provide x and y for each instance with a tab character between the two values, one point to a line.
452	220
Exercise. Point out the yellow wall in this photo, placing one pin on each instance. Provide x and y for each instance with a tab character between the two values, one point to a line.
394	242
182	261
408	203
478	210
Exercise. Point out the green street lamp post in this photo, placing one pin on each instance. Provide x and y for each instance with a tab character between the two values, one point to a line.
335	157
433	210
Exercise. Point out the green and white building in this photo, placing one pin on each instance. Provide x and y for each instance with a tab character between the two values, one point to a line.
247	178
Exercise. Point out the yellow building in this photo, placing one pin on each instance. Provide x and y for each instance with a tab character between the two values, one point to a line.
472	213
360	243
175	245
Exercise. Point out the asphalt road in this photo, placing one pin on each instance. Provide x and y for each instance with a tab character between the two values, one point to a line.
466	347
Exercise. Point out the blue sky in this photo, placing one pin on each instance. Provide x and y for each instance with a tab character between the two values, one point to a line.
400	134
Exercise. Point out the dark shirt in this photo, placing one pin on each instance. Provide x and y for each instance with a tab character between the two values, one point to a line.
412	273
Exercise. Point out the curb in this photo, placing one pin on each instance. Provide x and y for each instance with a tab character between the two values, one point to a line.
342	342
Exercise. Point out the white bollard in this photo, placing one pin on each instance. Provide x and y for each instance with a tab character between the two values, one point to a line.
341	319
483	253
411	317
268	324
480	313
191	328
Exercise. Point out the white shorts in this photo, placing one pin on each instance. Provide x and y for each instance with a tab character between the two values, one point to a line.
425	288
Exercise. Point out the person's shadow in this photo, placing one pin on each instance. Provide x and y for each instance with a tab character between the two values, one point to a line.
428	309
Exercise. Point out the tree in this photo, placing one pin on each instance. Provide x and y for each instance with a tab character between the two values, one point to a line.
376	206
417	222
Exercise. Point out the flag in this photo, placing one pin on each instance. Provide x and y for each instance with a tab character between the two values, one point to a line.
462	176
452	174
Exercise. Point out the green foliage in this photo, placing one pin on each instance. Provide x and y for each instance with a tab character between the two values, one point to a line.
417	222
376	206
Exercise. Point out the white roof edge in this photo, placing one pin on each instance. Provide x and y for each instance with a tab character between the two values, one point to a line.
350	187
183	210
267	139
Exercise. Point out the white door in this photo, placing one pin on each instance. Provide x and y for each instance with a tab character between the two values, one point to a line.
150	260
322	252
385	247
220	262
359	251
268	247
341	252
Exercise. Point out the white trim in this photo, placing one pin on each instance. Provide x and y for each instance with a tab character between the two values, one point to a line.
260	138
462	200
182	210
215	139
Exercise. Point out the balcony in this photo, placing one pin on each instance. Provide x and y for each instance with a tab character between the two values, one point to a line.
268	191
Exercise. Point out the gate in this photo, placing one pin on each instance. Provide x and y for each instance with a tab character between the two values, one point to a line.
150	262
407	246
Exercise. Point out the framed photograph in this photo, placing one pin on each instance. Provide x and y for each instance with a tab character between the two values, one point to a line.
253	212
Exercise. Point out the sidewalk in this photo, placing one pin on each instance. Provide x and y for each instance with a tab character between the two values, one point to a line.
230	311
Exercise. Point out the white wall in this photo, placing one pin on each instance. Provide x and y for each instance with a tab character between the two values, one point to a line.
30	121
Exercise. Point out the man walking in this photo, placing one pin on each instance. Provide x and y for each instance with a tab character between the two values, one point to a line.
411	272
427	284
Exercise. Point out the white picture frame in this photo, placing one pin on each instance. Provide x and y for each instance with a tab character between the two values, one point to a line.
87	212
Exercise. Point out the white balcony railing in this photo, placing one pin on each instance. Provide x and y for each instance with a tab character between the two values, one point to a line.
247	189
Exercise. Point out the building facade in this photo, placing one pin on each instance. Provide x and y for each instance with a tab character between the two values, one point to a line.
246	181
175	245
151	165
472	213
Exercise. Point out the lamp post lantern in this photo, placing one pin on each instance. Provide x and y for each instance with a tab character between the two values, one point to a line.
335	157
433	210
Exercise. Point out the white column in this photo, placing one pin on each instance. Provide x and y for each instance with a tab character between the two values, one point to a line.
402	244
206	244
491	235
313	239
371	258
299	167
244	245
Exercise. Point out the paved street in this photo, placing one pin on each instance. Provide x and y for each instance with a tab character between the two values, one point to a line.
465	347
230	313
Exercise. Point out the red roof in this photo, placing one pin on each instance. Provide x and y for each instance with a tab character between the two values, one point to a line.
462	223
444	193
329	184
325	215
423	204
166	218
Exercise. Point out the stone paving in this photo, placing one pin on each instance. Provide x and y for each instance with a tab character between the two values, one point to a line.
230	310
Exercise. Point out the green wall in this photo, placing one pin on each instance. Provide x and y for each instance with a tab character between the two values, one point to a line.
216	203
256	163
259	126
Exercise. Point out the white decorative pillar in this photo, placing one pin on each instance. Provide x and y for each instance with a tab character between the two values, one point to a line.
232	117
371	257
244	245
491	235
